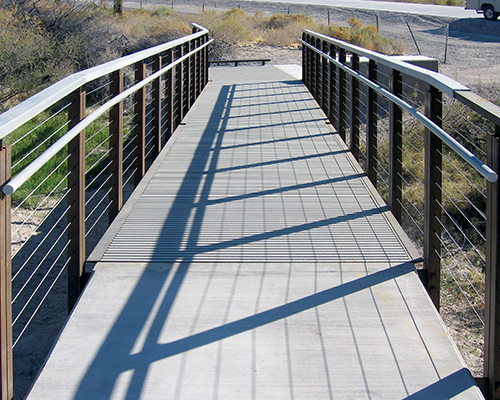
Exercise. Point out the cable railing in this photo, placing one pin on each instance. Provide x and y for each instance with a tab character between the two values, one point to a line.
70	157
431	148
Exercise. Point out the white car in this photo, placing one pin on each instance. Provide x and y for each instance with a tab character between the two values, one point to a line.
489	8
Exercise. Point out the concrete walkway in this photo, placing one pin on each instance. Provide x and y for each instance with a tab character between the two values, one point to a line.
254	261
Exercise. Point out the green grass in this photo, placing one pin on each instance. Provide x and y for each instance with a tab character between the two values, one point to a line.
51	178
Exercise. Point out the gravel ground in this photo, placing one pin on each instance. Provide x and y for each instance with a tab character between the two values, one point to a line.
472	58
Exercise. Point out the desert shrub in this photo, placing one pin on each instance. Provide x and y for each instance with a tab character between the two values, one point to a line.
279	21
365	36
28	58
143	28
232	26
284	29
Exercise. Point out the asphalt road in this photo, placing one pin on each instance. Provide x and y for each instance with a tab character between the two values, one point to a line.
408	8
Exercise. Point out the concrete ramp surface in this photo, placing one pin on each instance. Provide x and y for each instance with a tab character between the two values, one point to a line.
254	261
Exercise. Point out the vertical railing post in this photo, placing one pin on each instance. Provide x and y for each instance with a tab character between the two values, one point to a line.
314	73
432	197
320	78
140	124
76	200
6	361
156	104
355	120
325	98
197	70
182	84
205	61
309	64
189	77
341	96
304	60
333	89
371	123
169	96
492	290
116	148
395	147
178	88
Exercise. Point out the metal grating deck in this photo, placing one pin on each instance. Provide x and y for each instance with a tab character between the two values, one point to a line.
257	175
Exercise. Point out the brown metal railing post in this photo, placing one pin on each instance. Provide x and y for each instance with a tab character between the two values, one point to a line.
371	124
140	124
314	72
182	85
492	295
355	120
178	88
116	148
333	89
197	70
6	361
169	96
432	198
189	77
325	81
76	200
304	59
307	67
310	65
320	80
156	103
205	62
341	96
395	147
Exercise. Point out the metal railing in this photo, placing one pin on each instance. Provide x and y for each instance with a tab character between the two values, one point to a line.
70	156
431	147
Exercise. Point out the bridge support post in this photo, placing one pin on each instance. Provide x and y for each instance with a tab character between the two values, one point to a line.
492	295
354	132
395	147
6	362
116	148
372	126
140	124
432	198
76	200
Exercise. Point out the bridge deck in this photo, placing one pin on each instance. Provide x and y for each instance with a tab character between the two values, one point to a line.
254	261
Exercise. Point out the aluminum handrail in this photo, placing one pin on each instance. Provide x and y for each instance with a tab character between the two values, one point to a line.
16	182
25	111
462	151
442	82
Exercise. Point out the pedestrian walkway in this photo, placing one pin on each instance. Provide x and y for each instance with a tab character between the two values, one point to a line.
255	260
